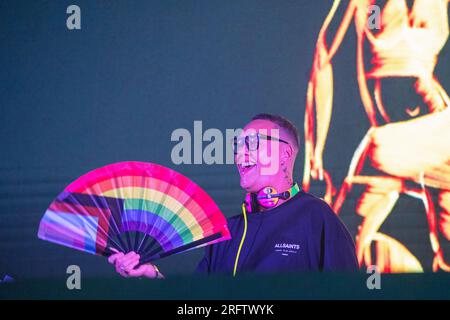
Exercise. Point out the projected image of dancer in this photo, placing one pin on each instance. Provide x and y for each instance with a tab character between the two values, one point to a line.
406	150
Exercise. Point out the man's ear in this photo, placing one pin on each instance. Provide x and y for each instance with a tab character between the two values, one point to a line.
287	153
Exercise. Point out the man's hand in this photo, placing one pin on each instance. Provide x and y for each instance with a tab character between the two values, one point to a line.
125	265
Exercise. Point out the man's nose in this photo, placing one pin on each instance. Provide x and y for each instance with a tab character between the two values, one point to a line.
243	156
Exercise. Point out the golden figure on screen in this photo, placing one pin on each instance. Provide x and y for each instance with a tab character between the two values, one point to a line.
409	153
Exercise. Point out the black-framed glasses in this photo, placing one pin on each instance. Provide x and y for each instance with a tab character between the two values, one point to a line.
251	141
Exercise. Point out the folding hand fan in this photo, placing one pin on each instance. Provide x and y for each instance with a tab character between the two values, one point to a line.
133	206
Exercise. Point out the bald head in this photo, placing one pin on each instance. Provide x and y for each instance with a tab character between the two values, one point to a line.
287	128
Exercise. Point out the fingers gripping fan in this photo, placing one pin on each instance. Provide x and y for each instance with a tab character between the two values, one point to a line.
133	206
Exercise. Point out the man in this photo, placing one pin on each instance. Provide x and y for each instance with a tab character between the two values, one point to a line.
406	150
282	229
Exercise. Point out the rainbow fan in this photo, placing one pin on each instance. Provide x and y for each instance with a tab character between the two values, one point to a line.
133	206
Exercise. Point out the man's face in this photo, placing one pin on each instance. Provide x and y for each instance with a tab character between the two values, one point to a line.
259	167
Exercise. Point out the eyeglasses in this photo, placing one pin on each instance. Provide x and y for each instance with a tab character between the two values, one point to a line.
251	141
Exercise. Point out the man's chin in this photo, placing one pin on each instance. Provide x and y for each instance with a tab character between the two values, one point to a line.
248	185
244	186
